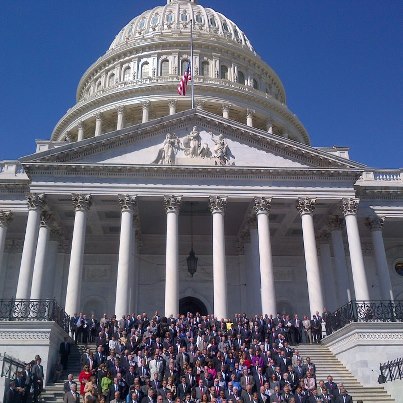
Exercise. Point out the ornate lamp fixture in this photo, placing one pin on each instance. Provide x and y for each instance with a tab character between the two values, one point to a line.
192	258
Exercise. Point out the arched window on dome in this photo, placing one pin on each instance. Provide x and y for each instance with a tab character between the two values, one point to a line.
199	19
212	22
164	68
127	74
224	72
142	23
255	84
169	18
184	65
145	70
184	17
111	80
241	77
205	69
98	86
225	27
155	20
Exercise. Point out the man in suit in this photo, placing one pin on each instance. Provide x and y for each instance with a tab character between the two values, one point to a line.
64	351
38	376
276	396
70	381
27	377
344	397
72	396
183	388
150	398
10	394
117	398
247	379
19	388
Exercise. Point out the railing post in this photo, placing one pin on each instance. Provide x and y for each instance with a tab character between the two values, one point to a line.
354	310
392	311
10	314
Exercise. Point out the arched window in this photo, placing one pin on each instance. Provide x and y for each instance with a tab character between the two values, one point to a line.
126	74
98	86
164	68
169	18
145	70
212	21
241	77
255	84
224	72
111	80
184	65
205	69
199	19
184	17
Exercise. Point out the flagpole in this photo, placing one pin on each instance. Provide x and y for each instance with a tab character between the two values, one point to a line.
191	63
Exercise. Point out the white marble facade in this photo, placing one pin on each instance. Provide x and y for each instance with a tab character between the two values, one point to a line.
277	225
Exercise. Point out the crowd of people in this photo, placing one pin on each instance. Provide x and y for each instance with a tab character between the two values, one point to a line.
197	359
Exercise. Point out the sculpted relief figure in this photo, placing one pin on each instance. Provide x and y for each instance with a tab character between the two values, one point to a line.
167	154
192	143
222	152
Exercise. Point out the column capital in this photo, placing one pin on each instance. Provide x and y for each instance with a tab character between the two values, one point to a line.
375	223
172	103
306	205
127	202
217	204
80	124
200	104
146	105
250	112
349	206
335	223
120	109
81	202
46	218
262	205
5	217
172	203
36	201
98	116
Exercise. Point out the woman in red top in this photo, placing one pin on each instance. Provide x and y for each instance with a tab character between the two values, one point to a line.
83	378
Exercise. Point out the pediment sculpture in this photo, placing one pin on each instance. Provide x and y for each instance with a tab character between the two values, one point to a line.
194	146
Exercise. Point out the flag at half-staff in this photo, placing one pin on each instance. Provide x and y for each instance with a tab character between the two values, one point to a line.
186	77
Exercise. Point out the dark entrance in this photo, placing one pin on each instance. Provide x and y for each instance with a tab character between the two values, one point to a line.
192	305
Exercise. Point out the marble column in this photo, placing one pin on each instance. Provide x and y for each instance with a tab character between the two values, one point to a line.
225	110
269	126
375	224
249	117
125	263
267	291
327	273
343	284
35	205
146	111
121	117
5	218
81	203
41	257
172	205
98	124
80	131
217	208
349	207
306	207
172	106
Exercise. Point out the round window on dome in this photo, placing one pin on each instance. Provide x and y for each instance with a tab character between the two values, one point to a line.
142	23
212	22
225	26
399	267
199	19
155	20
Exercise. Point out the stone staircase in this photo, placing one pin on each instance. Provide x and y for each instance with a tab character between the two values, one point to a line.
327	364
54	391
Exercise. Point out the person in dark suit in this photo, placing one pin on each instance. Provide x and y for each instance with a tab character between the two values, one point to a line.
19	387
27	377
70	381
72	396
38	377
150	398
64	351
344	397
183	388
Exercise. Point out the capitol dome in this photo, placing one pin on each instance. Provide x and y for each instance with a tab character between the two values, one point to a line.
136	79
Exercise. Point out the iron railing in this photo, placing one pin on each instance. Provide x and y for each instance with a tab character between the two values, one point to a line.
34	309
366	311
10	366
391	370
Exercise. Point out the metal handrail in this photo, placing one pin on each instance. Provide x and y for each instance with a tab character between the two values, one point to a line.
391	370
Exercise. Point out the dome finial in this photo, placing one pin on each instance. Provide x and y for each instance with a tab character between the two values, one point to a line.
184	1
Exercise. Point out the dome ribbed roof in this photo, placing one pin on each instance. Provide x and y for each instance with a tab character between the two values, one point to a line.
175	17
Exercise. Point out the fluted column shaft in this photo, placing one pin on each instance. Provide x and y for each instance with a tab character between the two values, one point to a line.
80	132
125	264
5	218
98	124
217	207
146	111
306	207
81	204
121	118
267	290
349	207
172	204
38	278
376	225
36	203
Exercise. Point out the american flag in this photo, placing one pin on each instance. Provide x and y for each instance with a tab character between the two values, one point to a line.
187	76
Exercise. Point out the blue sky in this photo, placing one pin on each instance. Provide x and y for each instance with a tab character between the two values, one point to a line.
341	63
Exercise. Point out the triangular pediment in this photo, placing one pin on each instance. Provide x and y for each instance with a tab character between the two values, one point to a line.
188	139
